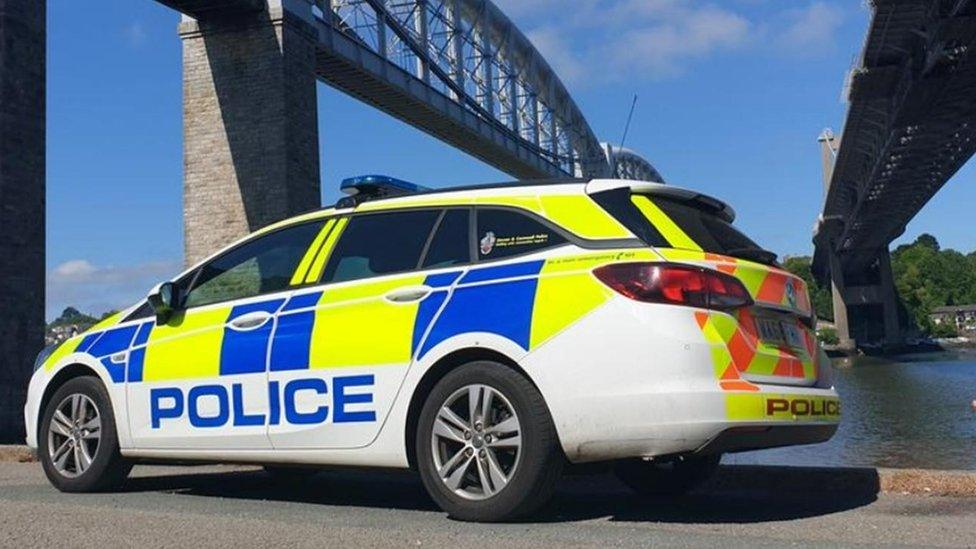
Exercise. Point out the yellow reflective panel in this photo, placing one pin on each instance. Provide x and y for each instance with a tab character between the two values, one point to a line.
186	347
419	202
530	203
62	351
781	407
318	265
356	326
299	277
106	322
664	224
311	216
580	215
563	297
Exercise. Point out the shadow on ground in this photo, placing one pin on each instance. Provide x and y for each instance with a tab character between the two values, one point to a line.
738	494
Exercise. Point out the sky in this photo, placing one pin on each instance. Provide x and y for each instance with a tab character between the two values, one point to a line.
732	95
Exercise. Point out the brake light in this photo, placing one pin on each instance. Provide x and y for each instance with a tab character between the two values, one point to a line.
675	284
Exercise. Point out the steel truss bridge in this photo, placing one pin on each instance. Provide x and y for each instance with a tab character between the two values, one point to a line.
459	70
910	127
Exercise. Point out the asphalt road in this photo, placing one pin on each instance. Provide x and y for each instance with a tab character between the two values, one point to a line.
243	507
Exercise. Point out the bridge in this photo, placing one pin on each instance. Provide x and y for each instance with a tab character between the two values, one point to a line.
459	70
910	127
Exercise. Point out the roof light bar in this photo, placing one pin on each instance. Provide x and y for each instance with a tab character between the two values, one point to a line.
371	187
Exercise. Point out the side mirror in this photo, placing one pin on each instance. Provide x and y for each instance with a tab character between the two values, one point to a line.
164	300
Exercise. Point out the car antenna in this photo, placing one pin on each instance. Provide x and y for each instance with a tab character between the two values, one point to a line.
633	105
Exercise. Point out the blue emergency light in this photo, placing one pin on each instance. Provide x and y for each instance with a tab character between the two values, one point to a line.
372	187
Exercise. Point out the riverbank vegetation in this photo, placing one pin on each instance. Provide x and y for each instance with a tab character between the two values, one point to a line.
926	277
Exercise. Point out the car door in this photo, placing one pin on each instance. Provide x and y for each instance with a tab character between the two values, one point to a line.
199	380
386	279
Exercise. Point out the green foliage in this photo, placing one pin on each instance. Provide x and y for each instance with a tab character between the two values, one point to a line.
828	336
927	277
943	330
73	316
819	296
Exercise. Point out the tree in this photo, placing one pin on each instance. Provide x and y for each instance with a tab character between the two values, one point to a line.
926	277
927	240
820	297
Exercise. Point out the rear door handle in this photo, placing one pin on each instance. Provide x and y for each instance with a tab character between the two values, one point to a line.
250	321
408	294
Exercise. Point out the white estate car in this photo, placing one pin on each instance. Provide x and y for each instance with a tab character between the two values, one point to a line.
482	336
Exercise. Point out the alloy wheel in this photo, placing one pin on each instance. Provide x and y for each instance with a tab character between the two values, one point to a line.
476	442
74	435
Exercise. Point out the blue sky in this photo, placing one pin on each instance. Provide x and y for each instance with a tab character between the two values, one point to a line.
732	95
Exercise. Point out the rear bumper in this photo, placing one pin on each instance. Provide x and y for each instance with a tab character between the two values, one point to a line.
655	424
739	439
636	380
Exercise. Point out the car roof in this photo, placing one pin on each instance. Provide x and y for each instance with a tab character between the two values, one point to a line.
507	193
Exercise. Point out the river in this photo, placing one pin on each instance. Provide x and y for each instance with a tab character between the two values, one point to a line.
908	412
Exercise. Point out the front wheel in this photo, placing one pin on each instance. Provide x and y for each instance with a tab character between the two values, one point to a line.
671	478
78	443
486	446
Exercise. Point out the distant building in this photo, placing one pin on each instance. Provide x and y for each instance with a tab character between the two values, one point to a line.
63	332
963	317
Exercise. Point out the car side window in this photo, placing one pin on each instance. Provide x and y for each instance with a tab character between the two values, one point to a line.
263	265
506	233
380	244
451	244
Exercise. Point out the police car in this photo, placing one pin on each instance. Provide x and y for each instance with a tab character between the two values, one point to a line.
483	336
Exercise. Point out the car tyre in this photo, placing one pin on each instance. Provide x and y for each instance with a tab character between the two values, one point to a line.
671	478
486	446
78	444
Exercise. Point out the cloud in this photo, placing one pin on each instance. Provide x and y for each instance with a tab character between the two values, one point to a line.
812	30
608	41
624	38
96	289
135	34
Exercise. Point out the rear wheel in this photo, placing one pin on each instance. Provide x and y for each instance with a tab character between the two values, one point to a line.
670	478
78	441
486	445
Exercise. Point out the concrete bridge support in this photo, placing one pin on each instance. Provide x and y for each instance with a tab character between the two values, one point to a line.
866	305
251	152
22	172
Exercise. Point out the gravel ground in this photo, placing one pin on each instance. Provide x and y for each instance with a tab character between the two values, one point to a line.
243	507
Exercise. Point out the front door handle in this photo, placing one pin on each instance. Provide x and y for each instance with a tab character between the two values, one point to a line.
408	294
250	321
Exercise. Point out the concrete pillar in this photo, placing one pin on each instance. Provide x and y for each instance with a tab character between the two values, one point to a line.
889	300
837	289
22	143
250	123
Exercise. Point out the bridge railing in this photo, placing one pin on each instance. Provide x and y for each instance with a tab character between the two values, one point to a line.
469	51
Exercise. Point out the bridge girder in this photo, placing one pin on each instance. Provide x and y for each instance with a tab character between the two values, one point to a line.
207	9
910	127
459	70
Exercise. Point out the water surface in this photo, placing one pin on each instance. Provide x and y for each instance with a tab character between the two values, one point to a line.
907	412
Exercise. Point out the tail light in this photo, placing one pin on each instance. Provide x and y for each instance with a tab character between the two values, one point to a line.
675	284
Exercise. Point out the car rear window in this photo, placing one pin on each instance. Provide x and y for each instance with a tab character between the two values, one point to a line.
712	233
506	233
679	224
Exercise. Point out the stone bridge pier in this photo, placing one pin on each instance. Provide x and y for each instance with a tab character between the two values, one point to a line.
22	171
250	119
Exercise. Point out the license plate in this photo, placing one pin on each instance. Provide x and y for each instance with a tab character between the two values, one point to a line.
780	333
